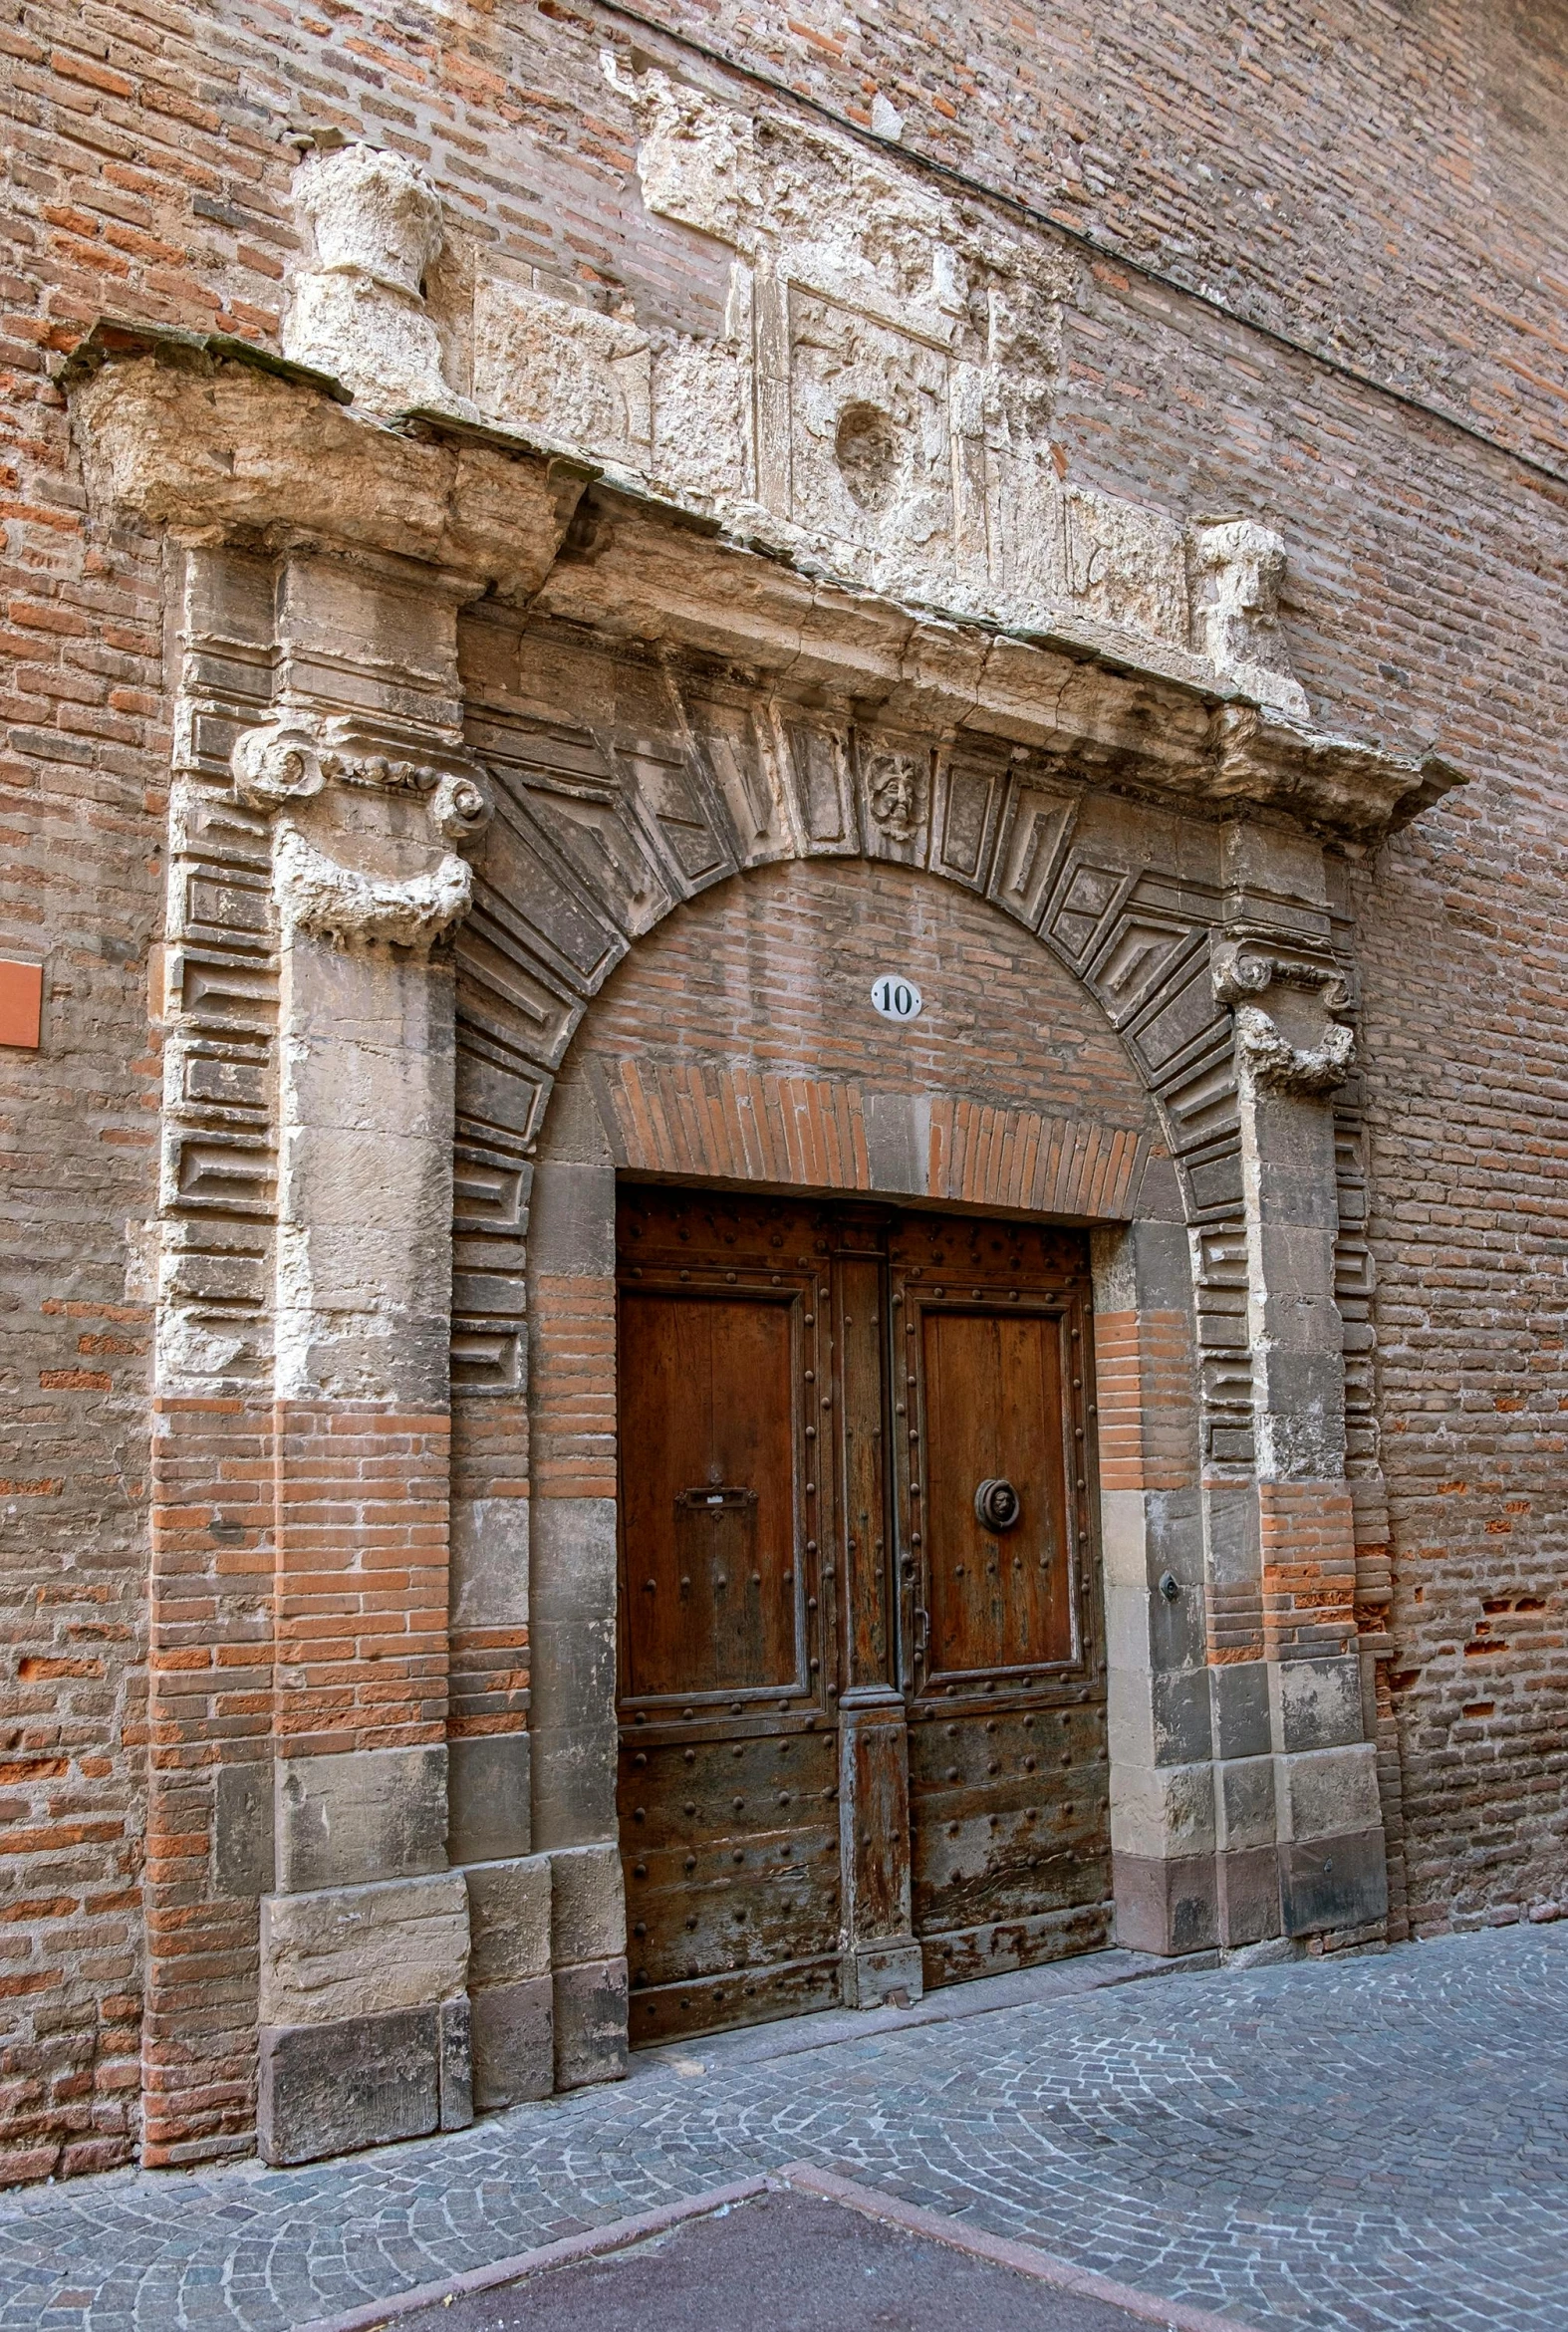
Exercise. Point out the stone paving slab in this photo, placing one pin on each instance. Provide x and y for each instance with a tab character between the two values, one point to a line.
1376	2141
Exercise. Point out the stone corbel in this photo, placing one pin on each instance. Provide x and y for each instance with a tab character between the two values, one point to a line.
1242	973
288	764
316	894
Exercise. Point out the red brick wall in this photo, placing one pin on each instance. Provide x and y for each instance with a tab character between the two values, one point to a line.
773	970
1144	1373
210	1704
1383	183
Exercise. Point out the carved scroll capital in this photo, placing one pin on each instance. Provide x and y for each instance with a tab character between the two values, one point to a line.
1244	971
1245	968
291	758
277	764
316	894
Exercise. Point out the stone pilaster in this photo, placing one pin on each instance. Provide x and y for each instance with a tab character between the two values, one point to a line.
372	806
1299	1827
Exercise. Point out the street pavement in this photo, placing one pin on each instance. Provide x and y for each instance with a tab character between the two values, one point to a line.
780	2263
1379	2141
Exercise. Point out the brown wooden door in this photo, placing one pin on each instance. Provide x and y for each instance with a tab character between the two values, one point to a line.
727	1779
810	1398
1009	1776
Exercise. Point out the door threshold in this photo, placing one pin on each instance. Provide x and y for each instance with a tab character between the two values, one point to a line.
792	2036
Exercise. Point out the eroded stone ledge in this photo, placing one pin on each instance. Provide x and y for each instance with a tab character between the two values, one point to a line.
192	436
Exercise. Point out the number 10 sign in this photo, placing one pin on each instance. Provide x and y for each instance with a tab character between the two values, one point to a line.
895	998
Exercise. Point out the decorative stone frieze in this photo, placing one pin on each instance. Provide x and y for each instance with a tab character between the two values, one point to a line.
879	400
1239	568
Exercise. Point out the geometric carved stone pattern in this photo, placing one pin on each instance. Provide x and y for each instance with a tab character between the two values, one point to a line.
220	974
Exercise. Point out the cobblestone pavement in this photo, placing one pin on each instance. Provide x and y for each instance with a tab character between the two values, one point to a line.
1378	2142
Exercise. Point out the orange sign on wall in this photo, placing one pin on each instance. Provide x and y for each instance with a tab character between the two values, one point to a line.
21	1004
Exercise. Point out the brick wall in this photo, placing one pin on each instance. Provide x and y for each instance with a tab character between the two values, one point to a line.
1380	182
772	973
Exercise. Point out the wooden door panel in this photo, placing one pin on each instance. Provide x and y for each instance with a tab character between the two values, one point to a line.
708	1495
1005	1668
994	1411
730	1854
961	1955
751	1995
1009	1815
727	1788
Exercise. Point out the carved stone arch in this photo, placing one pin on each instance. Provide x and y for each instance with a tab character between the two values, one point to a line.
607	826
384	631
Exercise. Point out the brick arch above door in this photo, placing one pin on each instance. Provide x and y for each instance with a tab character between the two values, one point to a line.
738	1041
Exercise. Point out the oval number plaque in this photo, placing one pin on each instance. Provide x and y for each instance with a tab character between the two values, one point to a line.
895	998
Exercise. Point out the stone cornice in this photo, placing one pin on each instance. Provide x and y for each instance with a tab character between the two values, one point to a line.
214	440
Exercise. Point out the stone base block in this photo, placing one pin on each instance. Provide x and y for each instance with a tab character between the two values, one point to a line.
513	2042
456	2044
1248	1885
487	1798
589	2023
1166	1906
363	2081
1334	1882
871	1974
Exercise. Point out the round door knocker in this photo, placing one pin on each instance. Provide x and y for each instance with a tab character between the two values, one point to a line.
997	1506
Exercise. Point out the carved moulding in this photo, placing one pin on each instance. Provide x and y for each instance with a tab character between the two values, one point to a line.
1242	974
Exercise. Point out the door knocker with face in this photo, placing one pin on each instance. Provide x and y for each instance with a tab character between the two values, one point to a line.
997	1506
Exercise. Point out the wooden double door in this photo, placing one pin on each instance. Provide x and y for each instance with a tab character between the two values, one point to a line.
862	1671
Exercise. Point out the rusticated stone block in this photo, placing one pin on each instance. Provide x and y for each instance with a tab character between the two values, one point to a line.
589	2023
588	1918
489	1797
513	2042
358	1815
509	1920
363	1950
1249	1884
456	2066
1334	1882
364	2081
1166	1905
